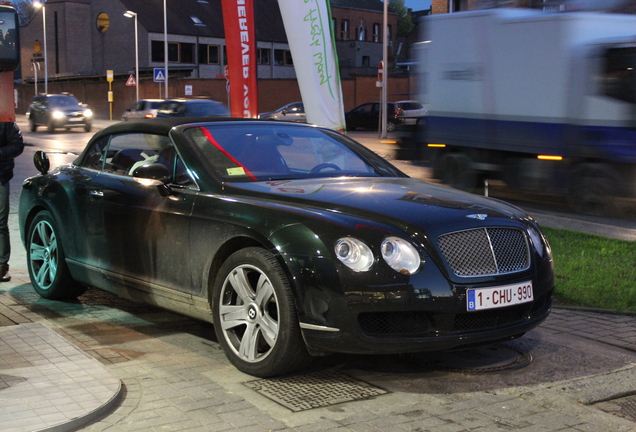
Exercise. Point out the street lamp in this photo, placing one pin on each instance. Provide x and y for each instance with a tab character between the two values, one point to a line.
46	62
165	43
130	14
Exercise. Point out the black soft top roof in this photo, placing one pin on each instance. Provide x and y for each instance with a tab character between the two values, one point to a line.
158	125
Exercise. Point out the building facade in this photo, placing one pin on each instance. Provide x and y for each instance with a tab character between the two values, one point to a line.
86	38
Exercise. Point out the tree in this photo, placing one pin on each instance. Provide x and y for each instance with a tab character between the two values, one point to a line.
405	23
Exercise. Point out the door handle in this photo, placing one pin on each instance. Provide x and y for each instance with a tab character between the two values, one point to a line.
96	193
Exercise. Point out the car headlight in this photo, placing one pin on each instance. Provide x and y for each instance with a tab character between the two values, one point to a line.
88	113
354	254
57	114
401	255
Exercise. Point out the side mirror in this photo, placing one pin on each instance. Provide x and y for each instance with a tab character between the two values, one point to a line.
41	162
153	171
284	112
154	175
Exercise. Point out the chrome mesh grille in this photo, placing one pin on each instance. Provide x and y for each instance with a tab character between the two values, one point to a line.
485	251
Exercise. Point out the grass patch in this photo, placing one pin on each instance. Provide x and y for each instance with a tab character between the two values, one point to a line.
593	271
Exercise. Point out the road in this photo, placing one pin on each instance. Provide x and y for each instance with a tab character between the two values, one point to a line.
571	373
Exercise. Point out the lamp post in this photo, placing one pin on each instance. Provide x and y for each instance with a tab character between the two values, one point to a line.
165	43
46	62
130	14
385	60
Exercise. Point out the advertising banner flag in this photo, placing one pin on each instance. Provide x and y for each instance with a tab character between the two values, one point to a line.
308	27
238	20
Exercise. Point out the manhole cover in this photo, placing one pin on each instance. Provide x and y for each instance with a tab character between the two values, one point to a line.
623	407
314	390
495	358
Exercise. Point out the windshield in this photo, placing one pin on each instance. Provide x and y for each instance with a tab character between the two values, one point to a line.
63	101
245	152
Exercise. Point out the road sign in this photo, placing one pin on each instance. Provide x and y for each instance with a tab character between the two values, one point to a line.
159	75
131	81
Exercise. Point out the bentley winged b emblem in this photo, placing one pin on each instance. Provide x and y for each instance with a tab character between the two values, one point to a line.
479	216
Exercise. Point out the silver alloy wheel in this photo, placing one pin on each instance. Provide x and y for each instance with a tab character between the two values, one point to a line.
44	254
249	313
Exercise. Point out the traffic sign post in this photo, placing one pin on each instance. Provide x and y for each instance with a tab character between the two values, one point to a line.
110	77
159	76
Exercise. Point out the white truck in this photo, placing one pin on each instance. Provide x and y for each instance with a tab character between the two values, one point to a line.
543	101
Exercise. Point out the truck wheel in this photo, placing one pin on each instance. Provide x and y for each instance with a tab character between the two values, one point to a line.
255	317
457	171
592	190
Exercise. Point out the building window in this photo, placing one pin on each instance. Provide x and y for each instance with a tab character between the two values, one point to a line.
263	56
157	50
376	33
361	33
103	22
173	52
197	21
366	61
209	54
344	30
283	58
186	53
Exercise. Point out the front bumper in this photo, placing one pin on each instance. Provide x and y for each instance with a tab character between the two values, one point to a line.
392	332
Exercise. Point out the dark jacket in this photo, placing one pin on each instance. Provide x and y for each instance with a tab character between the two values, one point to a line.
11	146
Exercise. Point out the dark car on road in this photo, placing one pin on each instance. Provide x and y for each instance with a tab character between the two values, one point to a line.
59	111
294	240
368	114
192	108
294	112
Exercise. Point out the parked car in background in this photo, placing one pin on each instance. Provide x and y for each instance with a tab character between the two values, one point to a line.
367	116
411	112
145	108
57	111
294	112
192	108
292	239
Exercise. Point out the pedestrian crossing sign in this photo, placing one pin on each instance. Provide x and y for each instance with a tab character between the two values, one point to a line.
159	75
131	81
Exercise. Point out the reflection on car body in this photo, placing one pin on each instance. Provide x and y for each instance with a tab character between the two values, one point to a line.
293	240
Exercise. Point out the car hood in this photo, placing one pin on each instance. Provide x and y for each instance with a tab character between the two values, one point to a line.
411	201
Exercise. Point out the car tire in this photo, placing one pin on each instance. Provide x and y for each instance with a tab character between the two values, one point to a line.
51	127
33	127
88	127
390	126
46	261
255	317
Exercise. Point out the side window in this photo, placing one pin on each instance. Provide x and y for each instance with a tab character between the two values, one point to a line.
96	155
126	152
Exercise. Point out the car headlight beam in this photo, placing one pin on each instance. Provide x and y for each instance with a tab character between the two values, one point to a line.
57	114
400	255
354	254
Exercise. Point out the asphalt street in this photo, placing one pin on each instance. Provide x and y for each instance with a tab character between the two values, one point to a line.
107	364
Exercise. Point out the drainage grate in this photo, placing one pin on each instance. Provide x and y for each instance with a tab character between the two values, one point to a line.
314	390
623	407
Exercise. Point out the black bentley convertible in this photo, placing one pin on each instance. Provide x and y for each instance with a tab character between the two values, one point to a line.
293	240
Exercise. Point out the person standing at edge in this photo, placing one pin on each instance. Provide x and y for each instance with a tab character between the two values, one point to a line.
11	146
